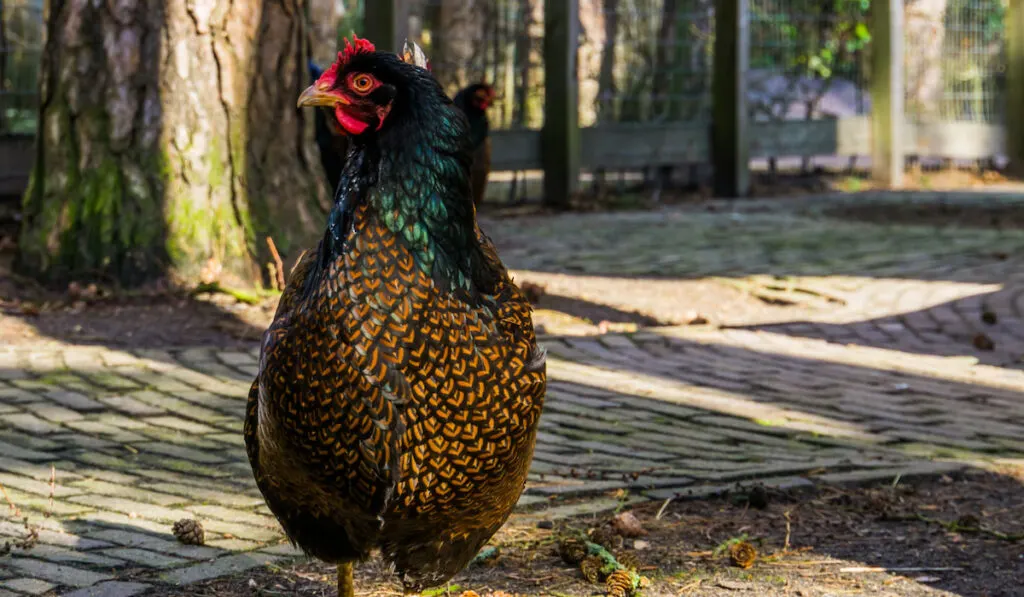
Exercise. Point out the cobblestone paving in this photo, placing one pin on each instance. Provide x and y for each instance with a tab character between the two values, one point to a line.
102	450
918	289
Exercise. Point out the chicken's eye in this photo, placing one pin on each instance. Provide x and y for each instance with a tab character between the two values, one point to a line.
362	83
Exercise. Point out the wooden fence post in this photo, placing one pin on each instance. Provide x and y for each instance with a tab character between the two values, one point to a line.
888	88
386	23
1015	86
560	152
730	139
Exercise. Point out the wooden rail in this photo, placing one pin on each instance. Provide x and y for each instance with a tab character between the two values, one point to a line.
640	145
630	146
16	157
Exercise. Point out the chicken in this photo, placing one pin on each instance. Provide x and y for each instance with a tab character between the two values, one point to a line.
474	100
330	139
400	384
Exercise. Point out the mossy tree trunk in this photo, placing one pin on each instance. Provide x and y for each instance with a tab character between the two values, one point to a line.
168	137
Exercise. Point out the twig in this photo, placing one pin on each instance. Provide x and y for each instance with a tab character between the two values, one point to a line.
53	488
239	295
661	510
278	264
957	527
789	528
14	509
859	569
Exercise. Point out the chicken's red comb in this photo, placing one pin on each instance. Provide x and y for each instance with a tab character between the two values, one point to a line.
355	47
361	45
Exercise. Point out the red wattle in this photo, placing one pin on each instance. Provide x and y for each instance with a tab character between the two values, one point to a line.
350	123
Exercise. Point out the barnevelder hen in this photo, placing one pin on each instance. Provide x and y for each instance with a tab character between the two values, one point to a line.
474	100
400	383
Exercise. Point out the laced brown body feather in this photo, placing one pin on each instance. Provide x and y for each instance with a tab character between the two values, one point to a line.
389	413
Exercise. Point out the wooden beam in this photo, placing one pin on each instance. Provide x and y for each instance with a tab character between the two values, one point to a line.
887	92
730	139
1015	86
561	133
386	23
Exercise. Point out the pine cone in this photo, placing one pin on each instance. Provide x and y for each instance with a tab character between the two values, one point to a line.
620	584
742	554
572	550
189	532
628	560
591	569
606	537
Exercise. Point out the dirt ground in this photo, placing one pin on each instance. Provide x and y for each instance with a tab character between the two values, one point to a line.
31	315
960	535
157	318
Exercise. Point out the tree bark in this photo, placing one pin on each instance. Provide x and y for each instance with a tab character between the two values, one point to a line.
606	76
169	139
663	59
323	19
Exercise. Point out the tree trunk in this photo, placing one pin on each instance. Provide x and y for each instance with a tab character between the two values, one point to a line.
458	43
169	139
663	59
3	67
606	75
323	20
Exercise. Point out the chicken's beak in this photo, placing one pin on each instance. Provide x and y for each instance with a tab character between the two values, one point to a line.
316	96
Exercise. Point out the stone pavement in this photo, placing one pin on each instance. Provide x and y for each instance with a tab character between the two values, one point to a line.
102	450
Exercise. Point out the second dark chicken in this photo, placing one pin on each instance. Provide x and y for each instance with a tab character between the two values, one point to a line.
473	101
330	140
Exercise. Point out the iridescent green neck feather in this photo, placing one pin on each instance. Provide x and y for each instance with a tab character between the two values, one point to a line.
414	176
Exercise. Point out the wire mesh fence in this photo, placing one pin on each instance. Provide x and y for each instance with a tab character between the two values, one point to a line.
21	38
645	60
956	62
808	59
651	61
494	41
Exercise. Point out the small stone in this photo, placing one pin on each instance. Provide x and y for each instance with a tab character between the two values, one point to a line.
545	524
533	292
628	525
695	318
758	497
983	342
189	531
640	545
989	317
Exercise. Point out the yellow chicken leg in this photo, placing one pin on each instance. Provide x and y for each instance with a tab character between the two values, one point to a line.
345	582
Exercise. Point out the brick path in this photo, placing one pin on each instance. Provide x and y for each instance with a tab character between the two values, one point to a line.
872	390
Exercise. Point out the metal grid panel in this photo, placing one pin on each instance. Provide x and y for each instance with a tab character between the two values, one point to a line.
645	60
973	62
21	38
808	59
